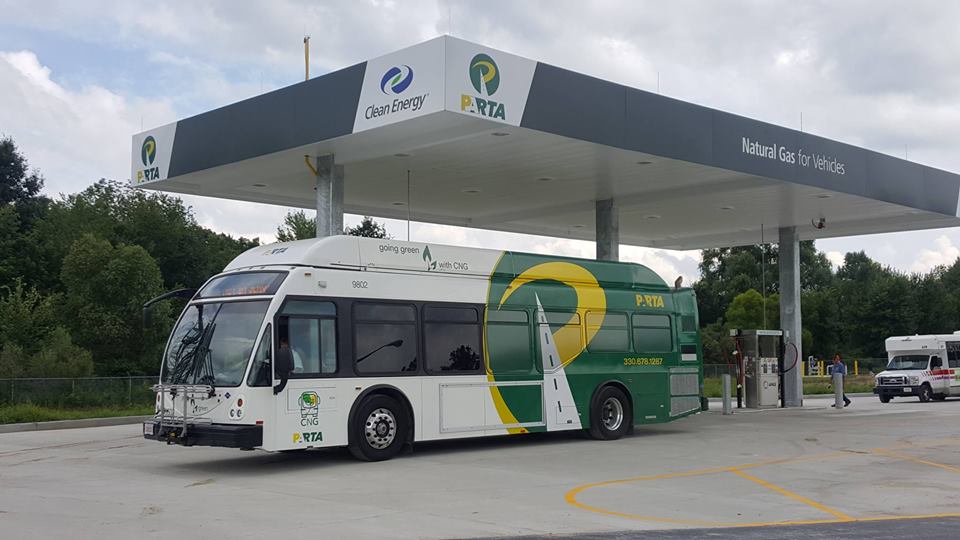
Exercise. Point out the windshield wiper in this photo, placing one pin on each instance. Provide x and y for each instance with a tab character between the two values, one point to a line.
195	364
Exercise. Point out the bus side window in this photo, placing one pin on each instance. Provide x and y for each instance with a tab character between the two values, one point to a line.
652	333
308	328
953	354
451	339
385	338
260	371
509	347
611	333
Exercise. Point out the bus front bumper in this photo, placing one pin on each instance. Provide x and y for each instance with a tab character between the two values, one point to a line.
222	435
895	391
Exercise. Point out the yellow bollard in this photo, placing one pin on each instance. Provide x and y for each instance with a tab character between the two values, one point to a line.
822	372
856	367
803	368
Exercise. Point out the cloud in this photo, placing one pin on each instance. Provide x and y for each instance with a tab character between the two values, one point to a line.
835	258
946	253
74	136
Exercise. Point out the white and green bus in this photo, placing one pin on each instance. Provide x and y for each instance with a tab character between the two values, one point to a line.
376	344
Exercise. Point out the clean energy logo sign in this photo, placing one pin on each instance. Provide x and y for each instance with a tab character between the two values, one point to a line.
394	82
148	155
485	78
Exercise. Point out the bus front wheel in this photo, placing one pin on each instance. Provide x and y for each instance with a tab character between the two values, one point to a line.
378	429
611	415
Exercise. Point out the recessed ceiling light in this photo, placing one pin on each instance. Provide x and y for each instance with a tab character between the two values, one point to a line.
578	226
744	229
398	203
499	133
259	185
824	195
401	154
545	179
644	162
470	190
726	208
653	216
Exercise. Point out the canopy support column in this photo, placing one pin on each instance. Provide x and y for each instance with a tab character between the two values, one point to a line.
329	192
336	208
608	230
790	320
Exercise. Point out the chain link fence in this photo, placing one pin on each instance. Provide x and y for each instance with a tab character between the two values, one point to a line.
79	392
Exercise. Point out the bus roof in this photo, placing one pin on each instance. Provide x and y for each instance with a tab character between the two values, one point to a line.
353	252
915	341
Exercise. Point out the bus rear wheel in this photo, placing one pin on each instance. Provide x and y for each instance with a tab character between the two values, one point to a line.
378	429
611	415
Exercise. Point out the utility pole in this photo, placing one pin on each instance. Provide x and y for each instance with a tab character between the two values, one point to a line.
306	57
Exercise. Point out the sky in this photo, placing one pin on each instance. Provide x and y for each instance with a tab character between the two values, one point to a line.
77	79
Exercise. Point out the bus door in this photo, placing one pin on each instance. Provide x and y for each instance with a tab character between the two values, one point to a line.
307	408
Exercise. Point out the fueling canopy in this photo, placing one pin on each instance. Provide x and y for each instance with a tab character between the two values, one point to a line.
497	141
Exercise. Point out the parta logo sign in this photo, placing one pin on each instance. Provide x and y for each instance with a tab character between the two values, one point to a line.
484	75
485	78
396	80
148	154
148	151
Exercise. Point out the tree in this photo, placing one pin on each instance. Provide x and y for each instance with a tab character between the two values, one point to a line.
106	287
296	226
746	312
368	228
17	182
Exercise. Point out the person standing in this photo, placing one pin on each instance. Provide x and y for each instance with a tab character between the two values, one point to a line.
841	368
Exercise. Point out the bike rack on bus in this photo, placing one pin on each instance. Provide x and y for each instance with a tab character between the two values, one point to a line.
175	423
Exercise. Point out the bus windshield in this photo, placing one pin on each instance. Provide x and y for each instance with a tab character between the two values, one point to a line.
212	343
910	361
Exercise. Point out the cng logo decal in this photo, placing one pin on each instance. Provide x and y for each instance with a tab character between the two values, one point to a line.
396	80
148	152
484	75
309	408
485	78
148	155
428	258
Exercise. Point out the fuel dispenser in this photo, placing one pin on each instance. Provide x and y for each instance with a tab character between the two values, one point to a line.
760	362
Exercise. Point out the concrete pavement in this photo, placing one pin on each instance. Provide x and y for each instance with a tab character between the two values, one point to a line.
854	467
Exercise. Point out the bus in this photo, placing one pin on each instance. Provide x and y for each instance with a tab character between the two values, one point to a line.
375	344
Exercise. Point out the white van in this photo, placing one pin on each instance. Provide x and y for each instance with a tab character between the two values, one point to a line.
924	366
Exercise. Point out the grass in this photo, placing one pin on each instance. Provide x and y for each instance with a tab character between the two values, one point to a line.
15	414
811	385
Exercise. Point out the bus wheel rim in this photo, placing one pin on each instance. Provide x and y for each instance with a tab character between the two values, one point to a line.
612	413
380	429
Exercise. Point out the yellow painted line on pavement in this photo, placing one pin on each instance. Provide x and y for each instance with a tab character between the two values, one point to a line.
905	457
787	493
840	517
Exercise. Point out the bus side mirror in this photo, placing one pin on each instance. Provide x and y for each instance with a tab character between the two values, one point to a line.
282	366
147	316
